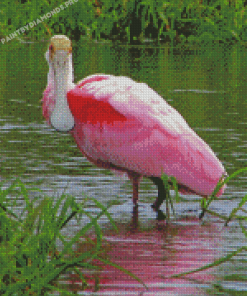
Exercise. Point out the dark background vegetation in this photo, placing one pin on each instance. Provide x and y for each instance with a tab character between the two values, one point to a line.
131	21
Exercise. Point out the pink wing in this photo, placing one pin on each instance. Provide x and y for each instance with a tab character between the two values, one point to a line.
126	123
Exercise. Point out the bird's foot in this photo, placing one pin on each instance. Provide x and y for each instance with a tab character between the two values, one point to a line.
135	216
202	214
160	215
155	206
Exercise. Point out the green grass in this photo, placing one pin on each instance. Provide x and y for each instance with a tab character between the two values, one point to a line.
30	261
131	21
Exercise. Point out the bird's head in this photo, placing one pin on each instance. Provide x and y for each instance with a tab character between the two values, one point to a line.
59	58
59	49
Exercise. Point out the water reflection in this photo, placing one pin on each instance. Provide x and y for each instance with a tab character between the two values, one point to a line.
154	252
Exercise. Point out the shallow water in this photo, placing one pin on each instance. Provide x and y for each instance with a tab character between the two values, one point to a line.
209	91
155	250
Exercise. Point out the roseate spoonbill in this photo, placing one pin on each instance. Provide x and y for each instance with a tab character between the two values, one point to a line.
124	125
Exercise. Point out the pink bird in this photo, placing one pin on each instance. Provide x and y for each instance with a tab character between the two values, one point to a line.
123	125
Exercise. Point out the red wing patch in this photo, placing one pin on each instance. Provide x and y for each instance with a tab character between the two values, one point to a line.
87	109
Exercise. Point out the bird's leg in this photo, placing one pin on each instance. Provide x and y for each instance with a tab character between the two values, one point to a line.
135	182
161	192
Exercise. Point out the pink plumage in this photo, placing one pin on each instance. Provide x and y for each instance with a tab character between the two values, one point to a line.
124	125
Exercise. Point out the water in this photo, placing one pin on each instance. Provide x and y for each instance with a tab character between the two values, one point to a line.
208	90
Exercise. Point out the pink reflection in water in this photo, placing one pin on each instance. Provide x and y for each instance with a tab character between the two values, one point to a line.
154	253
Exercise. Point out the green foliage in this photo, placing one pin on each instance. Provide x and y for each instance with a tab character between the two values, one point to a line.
129	20
30	261
168	184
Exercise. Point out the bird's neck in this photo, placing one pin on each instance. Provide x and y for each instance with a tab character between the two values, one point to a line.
61	82
61	118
